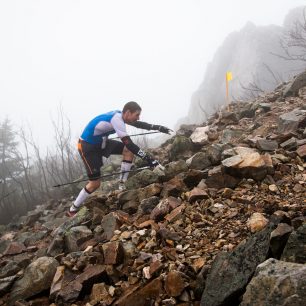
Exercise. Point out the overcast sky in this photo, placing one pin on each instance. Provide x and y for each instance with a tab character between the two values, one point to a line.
92	56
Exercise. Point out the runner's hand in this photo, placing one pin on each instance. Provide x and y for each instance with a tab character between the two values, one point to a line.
162	129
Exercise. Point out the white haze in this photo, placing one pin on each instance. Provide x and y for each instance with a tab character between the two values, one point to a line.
92	56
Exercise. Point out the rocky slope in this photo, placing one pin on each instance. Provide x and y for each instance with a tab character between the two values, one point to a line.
222	224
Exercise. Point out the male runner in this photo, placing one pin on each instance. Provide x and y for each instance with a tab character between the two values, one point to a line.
93	144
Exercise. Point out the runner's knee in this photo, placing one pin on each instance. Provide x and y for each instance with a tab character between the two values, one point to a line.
93	185
127	154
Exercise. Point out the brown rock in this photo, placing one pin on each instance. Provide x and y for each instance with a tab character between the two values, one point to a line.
99	293
175	214
110	223
197	194
143	296
113	253
174	187
301	151
15	248
160	210
174	283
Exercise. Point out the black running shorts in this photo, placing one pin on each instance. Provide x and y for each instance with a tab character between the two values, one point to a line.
91	155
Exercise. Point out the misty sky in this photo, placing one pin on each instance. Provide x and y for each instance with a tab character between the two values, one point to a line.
92	56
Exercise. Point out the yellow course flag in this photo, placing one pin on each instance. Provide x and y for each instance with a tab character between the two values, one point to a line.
229	76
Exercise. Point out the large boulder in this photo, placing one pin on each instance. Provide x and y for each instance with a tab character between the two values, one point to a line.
142	179
277	283
289	122
76	236
37	277
231	272
181	148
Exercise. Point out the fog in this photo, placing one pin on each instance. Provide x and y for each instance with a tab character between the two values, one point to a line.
93	56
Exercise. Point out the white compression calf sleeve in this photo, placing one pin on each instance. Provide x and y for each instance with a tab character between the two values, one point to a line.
83	195
125	166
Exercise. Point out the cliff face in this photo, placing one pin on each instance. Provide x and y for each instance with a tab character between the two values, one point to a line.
250	55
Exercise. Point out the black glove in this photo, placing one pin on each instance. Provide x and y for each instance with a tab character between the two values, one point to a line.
162	129
152	162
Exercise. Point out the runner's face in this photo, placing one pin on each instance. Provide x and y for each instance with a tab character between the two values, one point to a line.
130	117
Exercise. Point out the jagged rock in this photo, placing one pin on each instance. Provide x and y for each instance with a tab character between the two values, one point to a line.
240	151
266	145
9	269
218	179
301	151
197	194
56	246
76	236
175	214
290	144
251	165
57	282
70	291
6	284
141	179
293	87
32	217
230	136
214	152
279	239
174	187
14	248
230	272
199	136
228	118
289	122
28	238
257	222
186	130
113	253
199	161
174	168
160	210
3	245
180	148
100	293
192	177
149	191
147	205
37	277
142	296
175	283
110	223
82	216
296	245
276	283
126	196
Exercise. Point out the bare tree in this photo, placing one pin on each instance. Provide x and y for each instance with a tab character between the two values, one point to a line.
293	41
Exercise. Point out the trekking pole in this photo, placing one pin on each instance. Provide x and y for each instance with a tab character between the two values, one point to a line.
138	134
102	176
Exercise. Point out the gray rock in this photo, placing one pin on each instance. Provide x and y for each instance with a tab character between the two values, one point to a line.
277	283
293	87
289	122
56	246
37	277
6	284
142	179
266	145
279	239
295	249
199	161
230	272
229	136
76	236
147	205
110	223
180	148
3	245
290	144
9	269
174	168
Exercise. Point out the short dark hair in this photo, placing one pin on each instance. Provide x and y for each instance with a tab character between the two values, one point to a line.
131	106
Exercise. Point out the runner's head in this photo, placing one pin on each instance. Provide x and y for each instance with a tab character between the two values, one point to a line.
131	112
